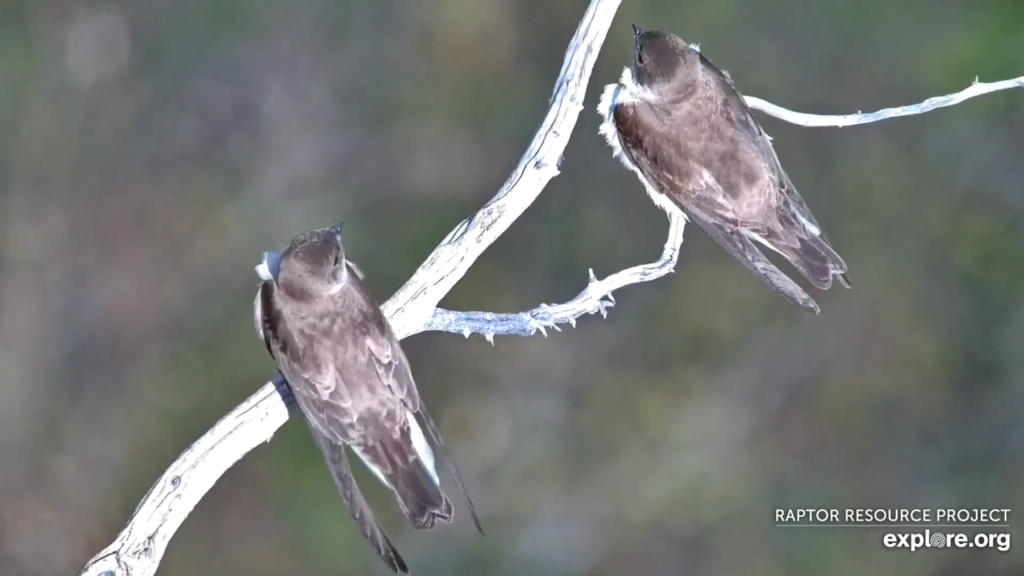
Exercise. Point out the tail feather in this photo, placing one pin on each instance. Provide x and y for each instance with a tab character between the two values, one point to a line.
341	473
816	260
435	436
802	241
810	253
403	466
420	499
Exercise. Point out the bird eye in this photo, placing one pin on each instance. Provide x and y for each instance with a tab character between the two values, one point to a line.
640	57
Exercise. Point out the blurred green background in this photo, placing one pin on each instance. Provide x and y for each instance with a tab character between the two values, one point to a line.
151	151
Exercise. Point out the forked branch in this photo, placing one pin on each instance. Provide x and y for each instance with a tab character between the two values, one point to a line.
595	298
590	301
138	549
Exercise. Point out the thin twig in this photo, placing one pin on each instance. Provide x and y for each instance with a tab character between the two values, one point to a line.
528	323
841	120
412	306
595	298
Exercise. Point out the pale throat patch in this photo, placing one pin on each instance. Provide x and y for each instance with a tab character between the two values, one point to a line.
269	267
627	91
350	268
337	286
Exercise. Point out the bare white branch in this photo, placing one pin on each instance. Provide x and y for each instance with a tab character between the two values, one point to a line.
491	324
140	546
412	306
595	298
841	120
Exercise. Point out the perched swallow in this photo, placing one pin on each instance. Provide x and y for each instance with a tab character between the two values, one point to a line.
679	123
352	382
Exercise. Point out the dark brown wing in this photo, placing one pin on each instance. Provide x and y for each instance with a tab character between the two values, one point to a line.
453	469
394	368
278	339
308	348
365	372
791	229
734	107
677	170
337	462
746	252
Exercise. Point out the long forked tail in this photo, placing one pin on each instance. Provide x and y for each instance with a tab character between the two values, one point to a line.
337	462
811	255
406	465
435	436
803	243
799	239
815	259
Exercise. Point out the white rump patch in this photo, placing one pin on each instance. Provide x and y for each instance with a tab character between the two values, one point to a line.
373	468
267	269
807	224
419	442
762	241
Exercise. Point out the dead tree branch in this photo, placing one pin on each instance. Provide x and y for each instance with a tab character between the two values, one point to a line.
412	306
138	549
595	298
140	546
842	120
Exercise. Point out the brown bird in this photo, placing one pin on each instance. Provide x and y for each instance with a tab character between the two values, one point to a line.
678	122
352	382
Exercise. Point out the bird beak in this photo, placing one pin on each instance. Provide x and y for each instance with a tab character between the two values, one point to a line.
637	30
337	231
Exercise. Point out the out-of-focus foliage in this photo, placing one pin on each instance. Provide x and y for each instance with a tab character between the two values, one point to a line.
151	151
